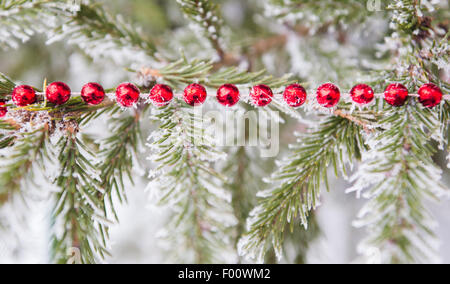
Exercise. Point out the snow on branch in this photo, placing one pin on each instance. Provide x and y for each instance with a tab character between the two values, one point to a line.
28	150
118	154
80	226
320	14
206	17
398	176
336	142
79	23
185	181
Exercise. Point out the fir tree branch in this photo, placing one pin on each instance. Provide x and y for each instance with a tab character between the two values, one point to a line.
184	181
100	35
313	13
183	71
6	86
78	209
206	15
29	150
401	175
337	141
247	178
86	25
118	151
19	19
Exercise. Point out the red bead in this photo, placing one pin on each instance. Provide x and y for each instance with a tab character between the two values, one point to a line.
127	94
396	95
23	96
3	110
58	93
295	95
261	95
328	95
362	94
161	95
93	94
228	95
195	95
430	95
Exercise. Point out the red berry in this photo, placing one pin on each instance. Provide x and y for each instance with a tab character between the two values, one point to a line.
261	95
161	95
396	95
3	110
23	96
328	95
58	93
93	94
430	95
127	94
228	95
362	94
195	95
295	95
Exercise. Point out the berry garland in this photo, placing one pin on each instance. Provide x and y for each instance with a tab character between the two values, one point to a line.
127	95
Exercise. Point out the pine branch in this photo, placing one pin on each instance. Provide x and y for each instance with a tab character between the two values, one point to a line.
28	151
18	20
337	142
399	173
184	72
206	15
400	176
86	25
6	86
118	151
185	181
247	171
413	23
317	13
78	210
101	35
7	131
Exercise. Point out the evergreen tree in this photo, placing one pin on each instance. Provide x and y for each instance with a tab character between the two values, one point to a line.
85	150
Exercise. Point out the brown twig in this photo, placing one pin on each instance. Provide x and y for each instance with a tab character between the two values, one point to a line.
353	119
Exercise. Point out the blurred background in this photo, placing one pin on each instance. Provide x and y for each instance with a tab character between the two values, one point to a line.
316	58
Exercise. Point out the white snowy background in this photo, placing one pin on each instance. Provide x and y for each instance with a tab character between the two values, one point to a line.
135	240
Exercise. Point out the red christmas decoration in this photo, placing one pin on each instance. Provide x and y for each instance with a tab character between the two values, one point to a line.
295	95
93	94
261	95
195	95
362	94
23	96
57	93
328	95
228	95
127	94
161	95
3	109
430	95
396	95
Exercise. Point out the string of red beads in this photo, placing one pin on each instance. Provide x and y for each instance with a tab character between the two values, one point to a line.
127	95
